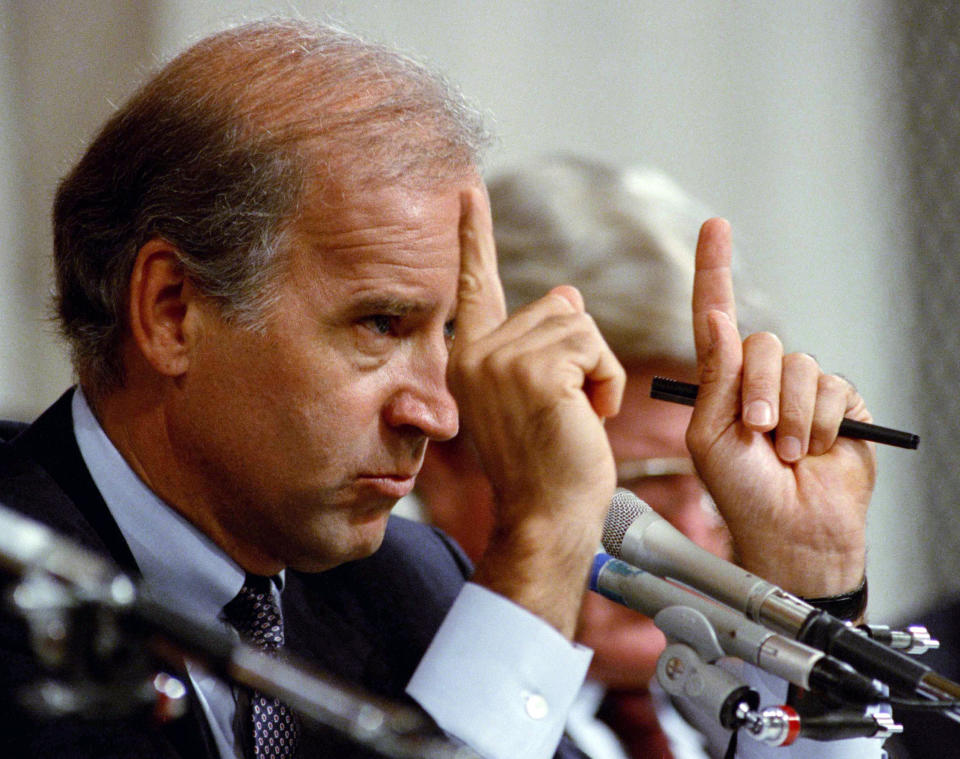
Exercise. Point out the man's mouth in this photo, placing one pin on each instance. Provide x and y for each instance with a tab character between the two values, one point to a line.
394	485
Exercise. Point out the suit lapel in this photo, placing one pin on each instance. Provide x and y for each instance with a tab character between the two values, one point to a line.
50	442
44	476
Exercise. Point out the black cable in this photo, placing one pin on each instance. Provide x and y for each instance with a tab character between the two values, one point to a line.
923	704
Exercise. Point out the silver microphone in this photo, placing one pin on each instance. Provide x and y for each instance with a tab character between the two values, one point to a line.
635	533
732	634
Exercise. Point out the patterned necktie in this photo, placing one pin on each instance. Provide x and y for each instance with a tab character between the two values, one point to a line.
256	616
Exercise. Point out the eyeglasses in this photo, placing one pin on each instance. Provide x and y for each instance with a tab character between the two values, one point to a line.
633	469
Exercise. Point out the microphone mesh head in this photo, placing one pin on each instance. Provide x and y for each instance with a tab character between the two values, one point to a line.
625	507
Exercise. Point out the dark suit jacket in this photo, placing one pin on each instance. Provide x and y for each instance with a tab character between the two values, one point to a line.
368	621
10	429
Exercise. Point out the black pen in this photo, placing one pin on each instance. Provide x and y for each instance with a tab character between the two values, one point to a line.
666	389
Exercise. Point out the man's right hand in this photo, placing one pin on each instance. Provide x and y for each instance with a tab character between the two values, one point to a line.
533	390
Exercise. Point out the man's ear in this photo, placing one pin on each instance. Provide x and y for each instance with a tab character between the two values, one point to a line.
160	294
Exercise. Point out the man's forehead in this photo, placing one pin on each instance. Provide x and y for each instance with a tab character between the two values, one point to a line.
354	219
384	278
340	207
380	268
390	249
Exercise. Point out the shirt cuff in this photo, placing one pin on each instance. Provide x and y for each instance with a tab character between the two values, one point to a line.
499	678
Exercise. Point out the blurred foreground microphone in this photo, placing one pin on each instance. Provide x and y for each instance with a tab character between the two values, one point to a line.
635	533
99	643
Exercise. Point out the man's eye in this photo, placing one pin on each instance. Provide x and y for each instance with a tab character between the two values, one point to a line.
382	324
450	329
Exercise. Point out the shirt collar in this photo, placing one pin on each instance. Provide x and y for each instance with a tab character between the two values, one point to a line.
182	568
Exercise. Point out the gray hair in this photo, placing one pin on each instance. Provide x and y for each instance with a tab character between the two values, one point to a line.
624	237
214	155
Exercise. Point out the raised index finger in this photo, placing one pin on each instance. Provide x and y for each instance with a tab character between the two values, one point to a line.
712	280
481	306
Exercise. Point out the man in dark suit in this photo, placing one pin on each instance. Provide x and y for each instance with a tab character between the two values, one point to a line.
345	620
260	261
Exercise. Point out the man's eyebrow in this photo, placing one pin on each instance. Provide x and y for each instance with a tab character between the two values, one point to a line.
388	304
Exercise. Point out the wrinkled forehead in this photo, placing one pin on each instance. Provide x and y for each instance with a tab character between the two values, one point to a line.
341	212
393	242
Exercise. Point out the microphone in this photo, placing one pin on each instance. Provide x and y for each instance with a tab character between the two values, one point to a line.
732	634
100	653
635	533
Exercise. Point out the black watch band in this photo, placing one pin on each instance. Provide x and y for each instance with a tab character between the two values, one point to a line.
847	606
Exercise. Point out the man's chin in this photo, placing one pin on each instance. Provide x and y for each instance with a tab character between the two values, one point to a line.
369	537
360	539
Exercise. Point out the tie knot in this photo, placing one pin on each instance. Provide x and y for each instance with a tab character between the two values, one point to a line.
255	613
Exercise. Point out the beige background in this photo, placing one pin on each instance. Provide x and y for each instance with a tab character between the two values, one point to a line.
786	116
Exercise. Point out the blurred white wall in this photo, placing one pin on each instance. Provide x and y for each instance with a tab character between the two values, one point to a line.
783	115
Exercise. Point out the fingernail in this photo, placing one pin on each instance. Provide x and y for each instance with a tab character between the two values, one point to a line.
758	413
789	448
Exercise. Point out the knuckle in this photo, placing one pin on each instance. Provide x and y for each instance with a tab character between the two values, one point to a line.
801	362
469	284
465	361
619	371
791	410
697	439
709	373
554	304
764	384
833	385
496	364
524	373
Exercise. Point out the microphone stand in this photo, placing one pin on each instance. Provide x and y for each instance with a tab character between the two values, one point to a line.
686	670
100	641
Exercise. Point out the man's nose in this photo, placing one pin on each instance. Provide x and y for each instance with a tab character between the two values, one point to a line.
424	402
